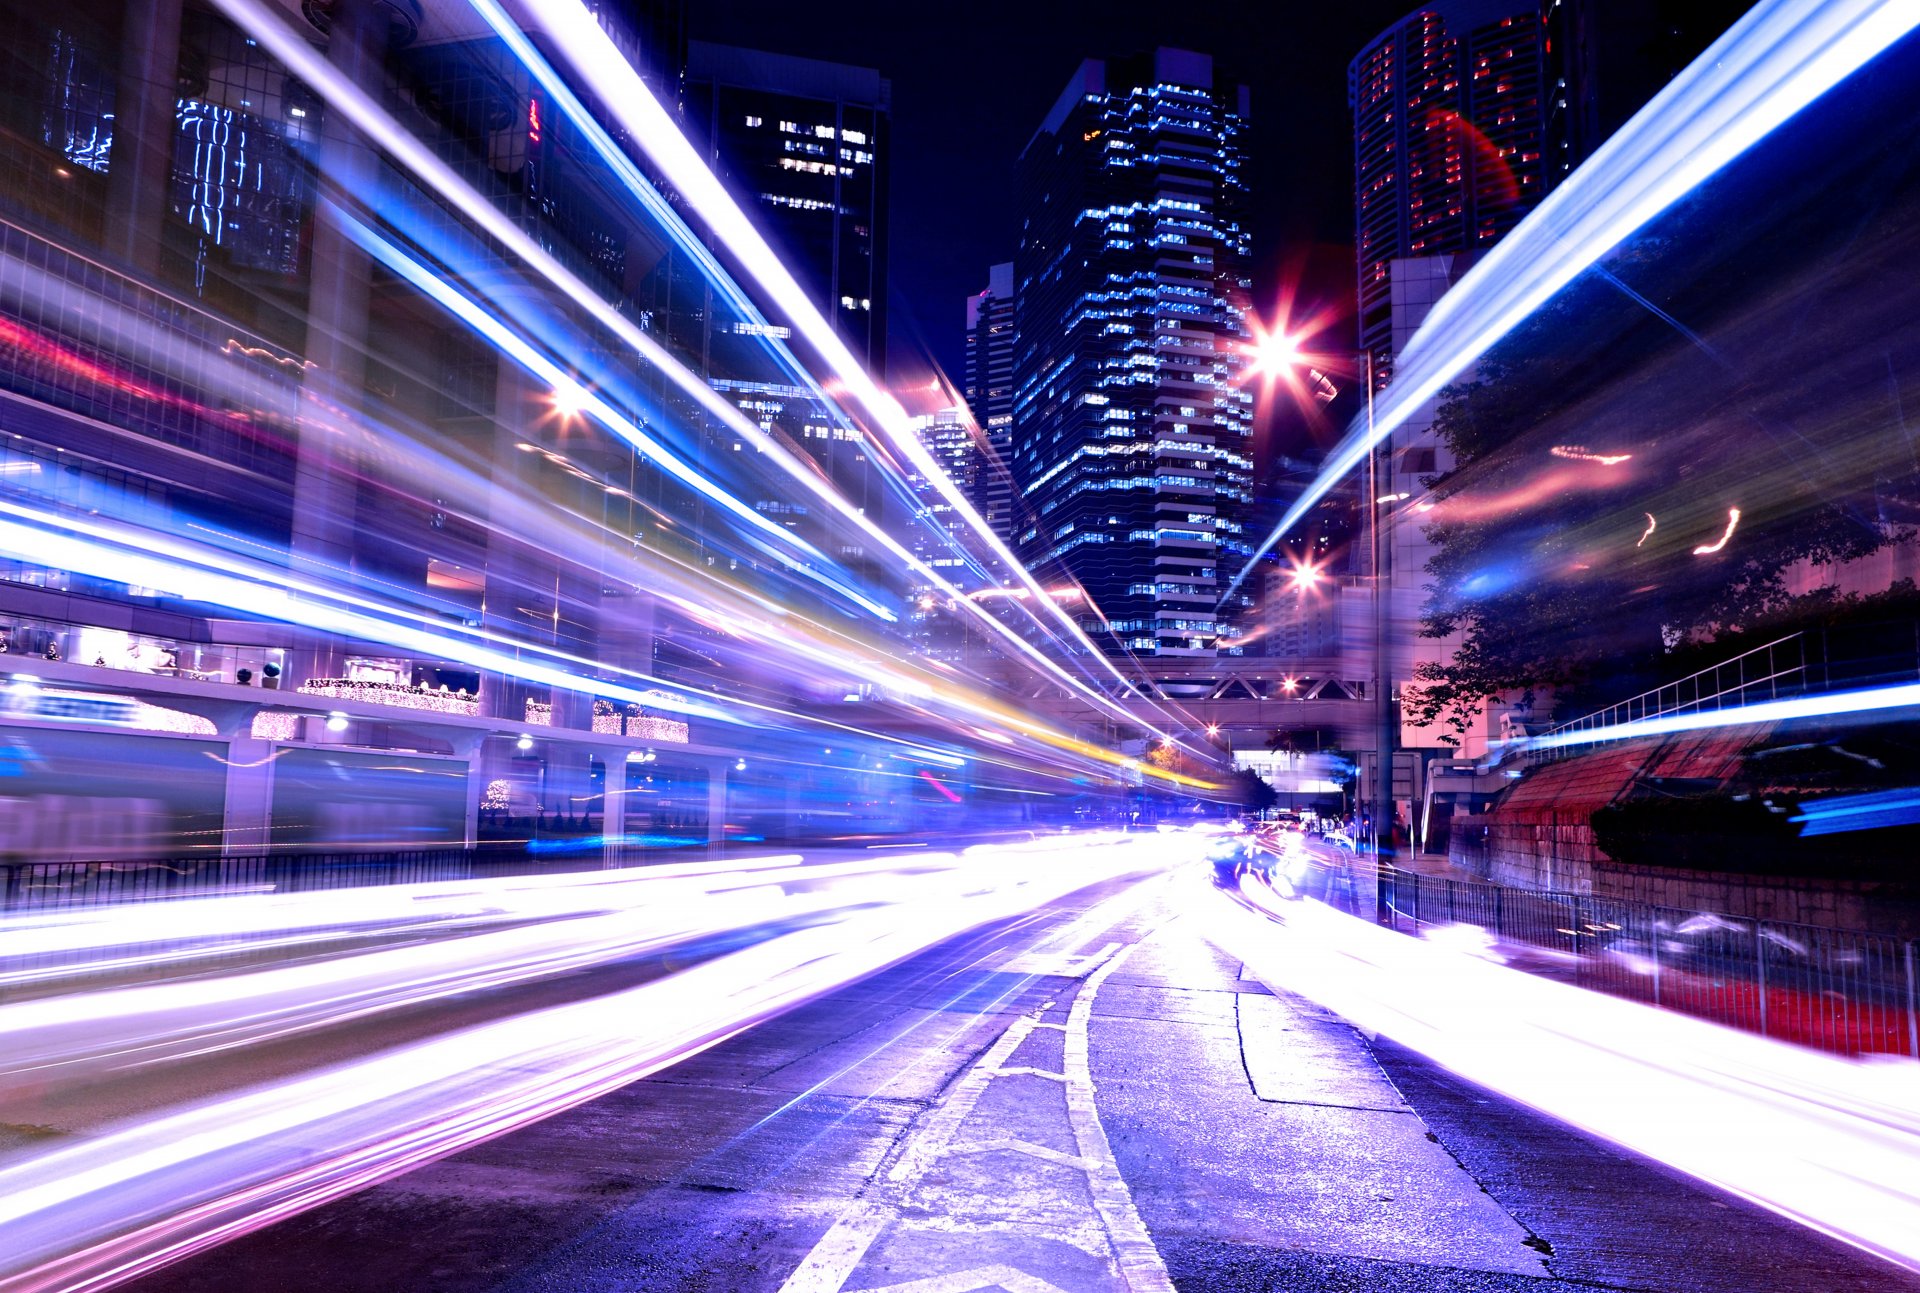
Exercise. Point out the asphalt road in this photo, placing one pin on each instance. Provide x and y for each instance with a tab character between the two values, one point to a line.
1090	1098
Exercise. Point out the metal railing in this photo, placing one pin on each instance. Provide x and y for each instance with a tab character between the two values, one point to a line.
1844	991
1767	672
50	886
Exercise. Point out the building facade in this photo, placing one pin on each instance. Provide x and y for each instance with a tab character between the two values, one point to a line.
235	334
803	143
1448	141
1131	429
989	393
937	536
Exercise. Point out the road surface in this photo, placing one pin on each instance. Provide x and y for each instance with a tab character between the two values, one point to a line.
1091	1097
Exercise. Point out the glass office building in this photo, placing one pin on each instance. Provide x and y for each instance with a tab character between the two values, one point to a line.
1131	428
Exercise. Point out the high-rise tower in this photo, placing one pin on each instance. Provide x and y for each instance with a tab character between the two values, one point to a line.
804	143
1447	140
990	394
1131	430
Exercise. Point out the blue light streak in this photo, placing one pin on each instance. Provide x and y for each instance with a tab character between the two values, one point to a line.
1867	812
1775	61
1836	705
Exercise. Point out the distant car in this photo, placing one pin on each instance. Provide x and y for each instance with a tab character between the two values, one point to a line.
1339	838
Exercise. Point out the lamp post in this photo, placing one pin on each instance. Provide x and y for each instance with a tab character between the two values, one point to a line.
1275	354
1382	674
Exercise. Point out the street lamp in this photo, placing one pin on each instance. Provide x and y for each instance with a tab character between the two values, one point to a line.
1276	354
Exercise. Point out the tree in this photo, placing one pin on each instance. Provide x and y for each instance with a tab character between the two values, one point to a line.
1619	490
1253	792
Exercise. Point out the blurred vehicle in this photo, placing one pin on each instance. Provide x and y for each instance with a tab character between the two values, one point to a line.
1234	856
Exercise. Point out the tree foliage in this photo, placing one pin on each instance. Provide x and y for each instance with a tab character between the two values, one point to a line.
1548	573
1254	792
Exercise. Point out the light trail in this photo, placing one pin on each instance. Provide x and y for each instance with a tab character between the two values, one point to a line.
511	345
74	1036
75	544
358	107
1840	704
1831	1143
88	546
1837	814
583	401
1780	57
120	330
144	935
1544	486
1708	549
89	1215
1646	534
586	45
1579	453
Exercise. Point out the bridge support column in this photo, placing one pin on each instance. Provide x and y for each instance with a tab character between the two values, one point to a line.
248	824
717	804
613	800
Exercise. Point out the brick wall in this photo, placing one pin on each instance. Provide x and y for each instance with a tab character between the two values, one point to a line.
1872	906
1540	837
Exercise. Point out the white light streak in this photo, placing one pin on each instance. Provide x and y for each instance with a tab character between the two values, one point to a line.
1831	1143
585	44
1780	57
1833	705
1708	549
117	1205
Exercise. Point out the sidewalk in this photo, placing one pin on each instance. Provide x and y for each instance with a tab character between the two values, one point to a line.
1259	1133
1160	1122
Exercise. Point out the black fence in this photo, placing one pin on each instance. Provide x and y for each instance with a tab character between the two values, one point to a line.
1844	991
46	886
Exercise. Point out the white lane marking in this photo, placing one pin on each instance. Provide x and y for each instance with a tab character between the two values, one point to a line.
1139	1261
933	1136
980	1277
833	1260
840	1250
1015	1145
839	1253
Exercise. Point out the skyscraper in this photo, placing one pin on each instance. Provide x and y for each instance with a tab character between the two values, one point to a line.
948	435
804	145
1447	141
1130	427
990	394
1604	59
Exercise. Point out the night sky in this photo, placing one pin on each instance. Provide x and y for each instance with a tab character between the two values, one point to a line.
971	82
